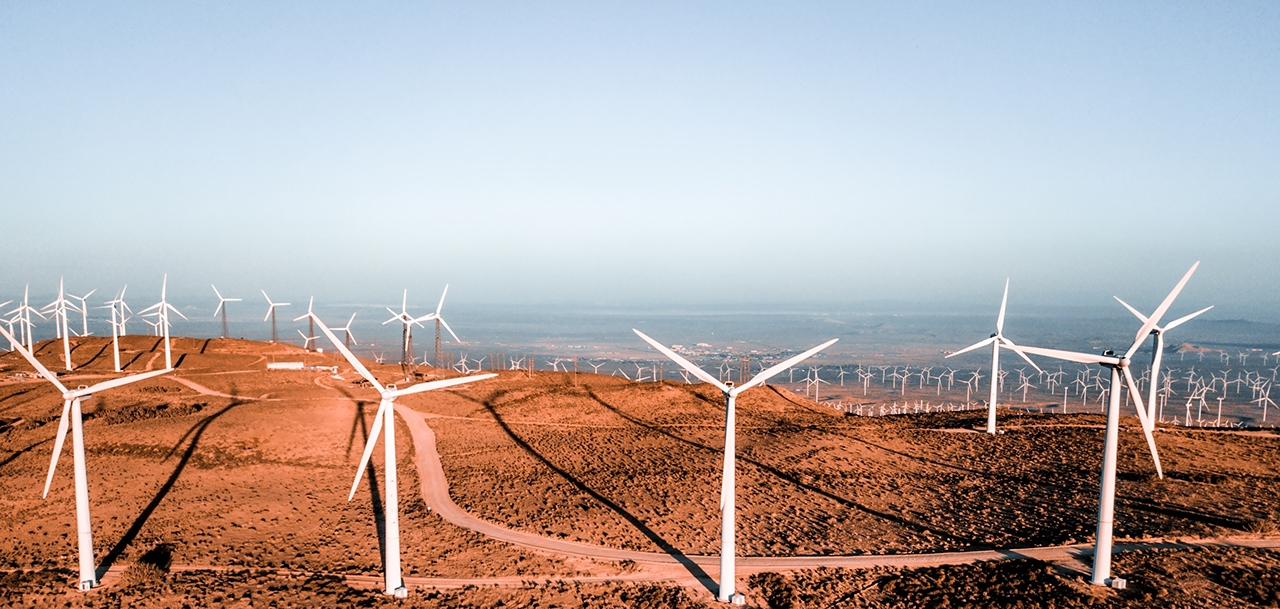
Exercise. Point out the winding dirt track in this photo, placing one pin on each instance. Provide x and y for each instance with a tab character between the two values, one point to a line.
677	567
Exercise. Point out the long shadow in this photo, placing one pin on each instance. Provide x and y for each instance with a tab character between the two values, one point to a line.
125	366
693	568
849	503
195	432
10	458
1136	502
15	394
95	356
359	425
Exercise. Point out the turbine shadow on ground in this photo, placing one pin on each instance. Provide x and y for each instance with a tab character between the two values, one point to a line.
1131	501
666	547
95	357
194	434
24	451
359	425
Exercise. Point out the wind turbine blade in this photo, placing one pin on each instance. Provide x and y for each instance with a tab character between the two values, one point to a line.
171	308
420	387
49	376
446	326
1155	317
1142	318
219	309
368	446
270	308
684	363
764	375
215	291
1003	302
977	345
1182	320
442	294
1071	356
1134	395
1016	349
125	380
351	358
57	445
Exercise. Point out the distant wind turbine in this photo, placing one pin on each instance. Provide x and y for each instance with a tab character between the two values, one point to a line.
271	314
222	308
1157	351
161	311
996	341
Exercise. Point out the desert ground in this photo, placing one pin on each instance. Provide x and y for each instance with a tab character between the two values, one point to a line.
223	483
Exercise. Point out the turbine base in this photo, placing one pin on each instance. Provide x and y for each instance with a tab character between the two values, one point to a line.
87	585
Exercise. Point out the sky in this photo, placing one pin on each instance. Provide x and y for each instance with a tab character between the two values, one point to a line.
735	156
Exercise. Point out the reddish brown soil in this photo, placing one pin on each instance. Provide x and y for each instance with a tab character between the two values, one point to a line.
222	481
260	481
638	466
1158	578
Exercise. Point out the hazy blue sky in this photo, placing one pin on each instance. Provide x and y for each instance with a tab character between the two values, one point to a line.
681	153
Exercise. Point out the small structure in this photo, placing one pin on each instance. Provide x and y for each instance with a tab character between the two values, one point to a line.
285	366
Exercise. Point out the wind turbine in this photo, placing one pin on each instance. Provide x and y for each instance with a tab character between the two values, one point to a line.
162	310
84	311
406	337
71	409
996	341
1119	366
310	337
1157	351
58	309
386	417
23	313
222	307
271	314
347	328
440	320
727	488
117	323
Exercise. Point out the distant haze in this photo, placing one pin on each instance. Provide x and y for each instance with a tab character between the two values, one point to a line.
733	156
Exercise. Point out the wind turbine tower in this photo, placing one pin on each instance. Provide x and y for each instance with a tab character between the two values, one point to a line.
385	418
1121	378
727	487
71	415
